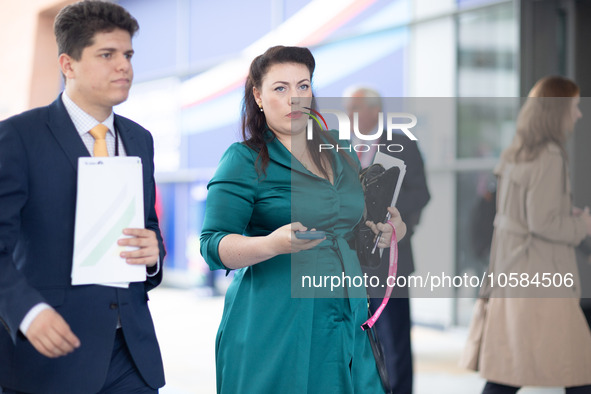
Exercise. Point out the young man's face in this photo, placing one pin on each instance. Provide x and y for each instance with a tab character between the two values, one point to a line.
102	77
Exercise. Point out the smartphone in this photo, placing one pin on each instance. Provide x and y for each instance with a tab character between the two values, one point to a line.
310	234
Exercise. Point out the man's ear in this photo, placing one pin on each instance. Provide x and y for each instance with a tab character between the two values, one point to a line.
66	65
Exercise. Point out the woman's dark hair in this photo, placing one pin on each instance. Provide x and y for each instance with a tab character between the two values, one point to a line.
76	24
254	123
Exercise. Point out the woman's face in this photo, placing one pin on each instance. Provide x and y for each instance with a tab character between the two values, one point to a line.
574	115
575	110
285	91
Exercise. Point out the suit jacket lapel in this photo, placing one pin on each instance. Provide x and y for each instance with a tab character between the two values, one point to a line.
127	138
64	131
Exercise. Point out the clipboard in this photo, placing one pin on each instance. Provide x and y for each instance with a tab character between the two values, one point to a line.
109	198
388	162
393	167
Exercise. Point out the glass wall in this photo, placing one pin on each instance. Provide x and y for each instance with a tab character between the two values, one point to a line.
487	77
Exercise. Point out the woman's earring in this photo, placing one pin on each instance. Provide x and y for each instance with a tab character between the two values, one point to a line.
261	108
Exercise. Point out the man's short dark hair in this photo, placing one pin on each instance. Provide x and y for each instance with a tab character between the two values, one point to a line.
76	24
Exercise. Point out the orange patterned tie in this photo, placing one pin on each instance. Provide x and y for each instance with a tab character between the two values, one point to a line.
99	132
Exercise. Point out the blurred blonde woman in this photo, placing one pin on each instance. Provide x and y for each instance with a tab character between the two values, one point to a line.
532	335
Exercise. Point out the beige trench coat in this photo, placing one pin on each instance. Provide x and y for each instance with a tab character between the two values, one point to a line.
526	338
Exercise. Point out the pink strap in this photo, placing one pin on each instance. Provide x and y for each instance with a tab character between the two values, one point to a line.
392	269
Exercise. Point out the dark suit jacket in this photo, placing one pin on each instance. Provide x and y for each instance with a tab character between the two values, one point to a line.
413	197
39	152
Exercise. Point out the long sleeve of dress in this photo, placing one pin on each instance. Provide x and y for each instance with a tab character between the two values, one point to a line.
230	201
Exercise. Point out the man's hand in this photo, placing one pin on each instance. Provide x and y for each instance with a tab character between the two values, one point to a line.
144	239
51	335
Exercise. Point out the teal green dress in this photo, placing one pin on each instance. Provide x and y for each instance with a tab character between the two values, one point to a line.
278	334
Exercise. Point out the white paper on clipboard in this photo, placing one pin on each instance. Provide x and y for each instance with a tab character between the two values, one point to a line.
388	162
109	199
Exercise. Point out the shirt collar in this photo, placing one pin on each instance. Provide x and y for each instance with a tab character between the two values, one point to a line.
82	120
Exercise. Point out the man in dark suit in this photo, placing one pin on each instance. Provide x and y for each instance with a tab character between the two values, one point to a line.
393	326
55	337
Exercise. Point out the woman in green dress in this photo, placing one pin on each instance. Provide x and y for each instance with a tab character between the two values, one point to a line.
282	332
